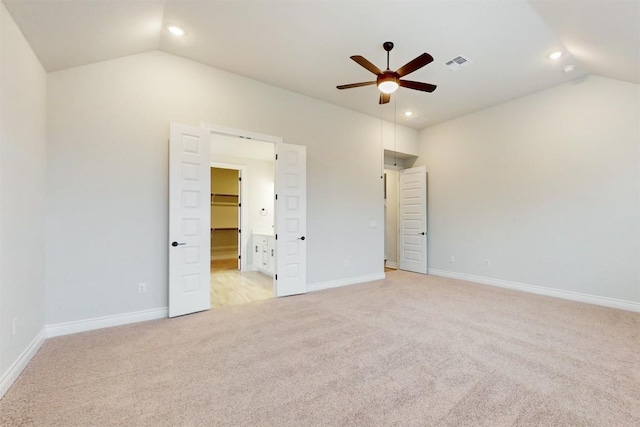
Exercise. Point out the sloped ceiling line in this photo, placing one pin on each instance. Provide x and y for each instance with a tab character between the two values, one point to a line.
305	46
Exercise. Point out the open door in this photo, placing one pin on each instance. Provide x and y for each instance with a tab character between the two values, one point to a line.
189	220
239	236
291	219
413	220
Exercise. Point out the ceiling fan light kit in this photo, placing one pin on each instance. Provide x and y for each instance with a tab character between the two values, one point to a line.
388	81
387	84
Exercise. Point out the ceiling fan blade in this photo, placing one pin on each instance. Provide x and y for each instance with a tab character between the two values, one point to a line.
425	87
366	64
384	98
349	86
415	64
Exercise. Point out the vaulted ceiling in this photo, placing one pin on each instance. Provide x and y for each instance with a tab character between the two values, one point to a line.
304	46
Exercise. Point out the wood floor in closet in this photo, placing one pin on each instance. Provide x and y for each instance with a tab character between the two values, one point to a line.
231	287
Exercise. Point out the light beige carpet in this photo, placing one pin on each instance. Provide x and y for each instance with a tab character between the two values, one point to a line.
409	351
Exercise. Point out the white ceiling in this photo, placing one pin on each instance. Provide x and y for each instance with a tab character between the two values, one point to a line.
304	46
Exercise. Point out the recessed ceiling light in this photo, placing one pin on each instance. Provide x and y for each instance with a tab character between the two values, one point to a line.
175	30
408	113
555	55
569	68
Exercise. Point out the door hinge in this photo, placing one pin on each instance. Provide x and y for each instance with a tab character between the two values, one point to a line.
276	157
276	237
239	231
276	277
239	178
239	205
276	197
239	256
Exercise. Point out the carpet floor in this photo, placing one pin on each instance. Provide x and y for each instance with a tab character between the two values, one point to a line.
411	350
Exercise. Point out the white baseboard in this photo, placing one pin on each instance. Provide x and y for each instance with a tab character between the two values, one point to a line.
391	264
14	371
540	290
67	328
312	287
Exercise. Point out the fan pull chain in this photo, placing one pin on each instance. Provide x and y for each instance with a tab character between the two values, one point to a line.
395	131
381	152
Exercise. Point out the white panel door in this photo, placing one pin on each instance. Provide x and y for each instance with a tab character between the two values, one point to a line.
412	218
189	220
291	219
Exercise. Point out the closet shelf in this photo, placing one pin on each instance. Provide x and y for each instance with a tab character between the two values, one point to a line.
224	228
223	199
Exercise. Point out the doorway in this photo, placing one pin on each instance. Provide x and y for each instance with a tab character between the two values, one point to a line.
390	219
225	215
405	217
190	217
242	220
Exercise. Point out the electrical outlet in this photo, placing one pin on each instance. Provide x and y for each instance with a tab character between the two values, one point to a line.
142	288
14	326
452	259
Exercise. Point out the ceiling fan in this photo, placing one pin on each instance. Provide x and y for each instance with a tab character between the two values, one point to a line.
388	81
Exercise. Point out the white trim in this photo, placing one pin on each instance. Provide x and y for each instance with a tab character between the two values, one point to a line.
14	371
391	264
67	328
540	290
224	130
344	282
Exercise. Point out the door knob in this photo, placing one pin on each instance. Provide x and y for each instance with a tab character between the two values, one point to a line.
174	244
301	238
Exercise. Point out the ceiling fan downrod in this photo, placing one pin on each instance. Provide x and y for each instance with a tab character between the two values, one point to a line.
387	46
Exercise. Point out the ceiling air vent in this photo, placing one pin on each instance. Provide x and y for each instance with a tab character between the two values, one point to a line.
458	62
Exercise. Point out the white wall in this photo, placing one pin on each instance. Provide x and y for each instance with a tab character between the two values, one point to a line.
399	138
22	196
108	129
545	187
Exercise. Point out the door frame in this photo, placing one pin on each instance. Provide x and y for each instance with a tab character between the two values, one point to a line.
216	129
399	170
396	184
243	224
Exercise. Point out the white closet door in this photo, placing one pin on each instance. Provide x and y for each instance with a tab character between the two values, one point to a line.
189	220
413	220
291	219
